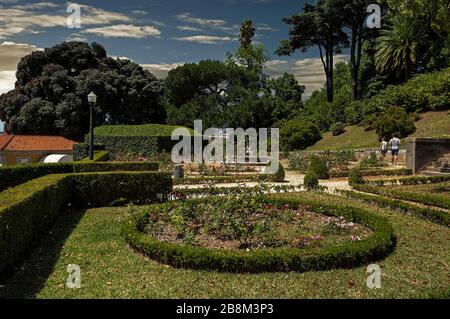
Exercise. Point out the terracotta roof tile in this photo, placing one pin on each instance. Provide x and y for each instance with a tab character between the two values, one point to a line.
4	140
38	143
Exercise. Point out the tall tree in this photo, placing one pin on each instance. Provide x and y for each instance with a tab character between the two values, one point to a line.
50	96
317	26
398	46
353	14
247	33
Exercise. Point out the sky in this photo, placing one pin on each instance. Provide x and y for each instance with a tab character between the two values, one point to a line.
158	34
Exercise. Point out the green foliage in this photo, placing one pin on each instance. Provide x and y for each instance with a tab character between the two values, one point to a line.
99	156
371	161
50	97
137	130
394	121
318	167
436	216
338	129
355	177
346	255
81	150
311	181
279	176
302	160
11	176
298	134
28	211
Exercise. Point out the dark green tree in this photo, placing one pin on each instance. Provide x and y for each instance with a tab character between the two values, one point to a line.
247	33
51	91
317	26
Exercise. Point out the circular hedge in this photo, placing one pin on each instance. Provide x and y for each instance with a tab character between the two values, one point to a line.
345	255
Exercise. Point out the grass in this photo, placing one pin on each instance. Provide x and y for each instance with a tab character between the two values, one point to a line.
136	130
110	269
431	124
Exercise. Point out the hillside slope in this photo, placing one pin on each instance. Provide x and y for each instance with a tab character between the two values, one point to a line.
431	124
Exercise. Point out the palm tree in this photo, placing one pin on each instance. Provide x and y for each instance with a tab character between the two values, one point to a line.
397	48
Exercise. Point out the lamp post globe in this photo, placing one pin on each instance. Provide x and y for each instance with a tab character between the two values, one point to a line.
92	99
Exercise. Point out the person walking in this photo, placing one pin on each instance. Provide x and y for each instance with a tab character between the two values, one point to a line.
395	148
383	149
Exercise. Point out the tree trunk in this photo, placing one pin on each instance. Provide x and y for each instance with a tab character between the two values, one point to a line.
330	77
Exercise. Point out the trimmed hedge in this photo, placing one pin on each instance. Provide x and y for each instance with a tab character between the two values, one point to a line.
415	180
347	255
99	156
375	172
229	179
81	150
436	216
28	211
425	198
11	176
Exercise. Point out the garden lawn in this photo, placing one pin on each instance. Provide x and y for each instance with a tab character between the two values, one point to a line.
418	268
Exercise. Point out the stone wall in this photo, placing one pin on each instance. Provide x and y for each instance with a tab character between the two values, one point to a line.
420	152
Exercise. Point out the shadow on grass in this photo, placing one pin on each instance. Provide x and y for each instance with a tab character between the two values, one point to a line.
32	274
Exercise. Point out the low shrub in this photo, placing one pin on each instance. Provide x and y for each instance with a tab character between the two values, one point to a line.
355	177
394	120
81	150
374	172
338	129
311	181
99	156
345	255
436	216
301	160
319	168
28	211
279	176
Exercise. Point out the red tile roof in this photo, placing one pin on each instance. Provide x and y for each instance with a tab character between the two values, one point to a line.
35	143
4	140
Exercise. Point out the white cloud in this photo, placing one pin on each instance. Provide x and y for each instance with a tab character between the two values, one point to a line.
205	39
10	55
308	72
265	27
27	18
125	31
189	17
161	70
188	28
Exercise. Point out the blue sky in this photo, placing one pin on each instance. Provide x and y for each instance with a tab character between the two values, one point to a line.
159	34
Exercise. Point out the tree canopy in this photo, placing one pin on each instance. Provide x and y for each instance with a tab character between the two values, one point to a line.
50	95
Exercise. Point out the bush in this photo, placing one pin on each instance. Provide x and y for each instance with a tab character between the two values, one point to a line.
355	177
141	140
436	216
311	181
301	160
279	176
11	176
298	134
81	150
425	92
99	156
346	255
338	129
319	168
28	211
394	120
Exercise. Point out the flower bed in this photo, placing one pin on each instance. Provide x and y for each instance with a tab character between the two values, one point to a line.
259	234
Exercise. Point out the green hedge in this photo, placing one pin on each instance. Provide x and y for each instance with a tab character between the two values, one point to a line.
81	150
436	216
28	211
347	255
229	179
415	180
99	156
375	172
424	198
11	176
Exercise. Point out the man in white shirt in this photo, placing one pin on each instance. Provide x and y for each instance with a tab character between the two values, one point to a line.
395	147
